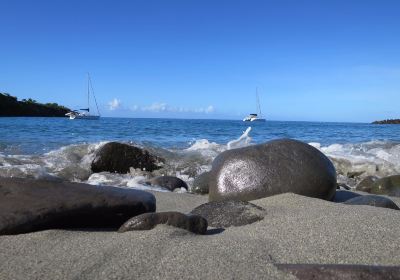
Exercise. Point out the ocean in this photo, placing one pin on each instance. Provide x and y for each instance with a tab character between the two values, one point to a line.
63	148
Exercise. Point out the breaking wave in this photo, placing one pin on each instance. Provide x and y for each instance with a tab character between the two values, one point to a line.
352	161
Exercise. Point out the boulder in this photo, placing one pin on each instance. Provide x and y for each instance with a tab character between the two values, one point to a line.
229	213
373	200
275	167
366	184
119	157
200	183
342	196
147	221
168	182
29	205
387	185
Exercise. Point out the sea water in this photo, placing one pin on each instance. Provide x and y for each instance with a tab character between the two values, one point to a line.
59	147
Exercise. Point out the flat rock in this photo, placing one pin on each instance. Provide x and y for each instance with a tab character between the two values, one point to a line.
229	213
147	221
387	185
340	271
275	167
29	205
119	157
168	182
373	200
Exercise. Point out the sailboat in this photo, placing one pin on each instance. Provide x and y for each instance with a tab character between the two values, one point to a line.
255	117
84	113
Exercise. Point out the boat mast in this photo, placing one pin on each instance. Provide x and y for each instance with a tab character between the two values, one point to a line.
258	102
88	92
94	96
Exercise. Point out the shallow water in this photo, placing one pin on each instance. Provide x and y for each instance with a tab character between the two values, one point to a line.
42	147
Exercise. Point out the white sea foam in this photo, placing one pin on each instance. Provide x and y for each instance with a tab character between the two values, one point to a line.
377	158
72	162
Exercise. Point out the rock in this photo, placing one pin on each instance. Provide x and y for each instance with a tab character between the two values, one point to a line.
168	182
118	157
341	186
373	200
389	121
229	213
278	166
366	184
29	205
200	183
387	185
340	271
147	221
342	196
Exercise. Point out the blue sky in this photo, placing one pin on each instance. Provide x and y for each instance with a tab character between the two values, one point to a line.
311	60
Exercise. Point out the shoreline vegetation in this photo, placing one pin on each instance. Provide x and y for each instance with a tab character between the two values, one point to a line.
389	121
10	106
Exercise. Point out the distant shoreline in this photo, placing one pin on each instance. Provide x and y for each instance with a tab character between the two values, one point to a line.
389	121
11	107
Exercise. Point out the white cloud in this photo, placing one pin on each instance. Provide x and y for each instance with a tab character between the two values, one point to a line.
114	104
160	107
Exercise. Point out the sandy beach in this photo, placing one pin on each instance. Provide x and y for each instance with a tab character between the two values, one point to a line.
295	230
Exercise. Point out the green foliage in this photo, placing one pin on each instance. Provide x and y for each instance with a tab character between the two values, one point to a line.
10	106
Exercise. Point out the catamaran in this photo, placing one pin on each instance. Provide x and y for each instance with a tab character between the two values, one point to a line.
84	113
255	117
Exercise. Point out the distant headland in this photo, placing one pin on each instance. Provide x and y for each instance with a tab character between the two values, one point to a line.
391	121
11	107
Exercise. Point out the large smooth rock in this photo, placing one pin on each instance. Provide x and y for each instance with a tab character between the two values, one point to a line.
278	166
118	157
387	185
229	213
373	200
29	205
168	182
366	184
192	223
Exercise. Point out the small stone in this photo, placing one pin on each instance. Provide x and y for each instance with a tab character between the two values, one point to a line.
373	200
169	182
388	185
147	221
229	213
200	183
342	196
366	184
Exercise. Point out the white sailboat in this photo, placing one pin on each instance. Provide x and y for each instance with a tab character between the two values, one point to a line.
255	117
84	113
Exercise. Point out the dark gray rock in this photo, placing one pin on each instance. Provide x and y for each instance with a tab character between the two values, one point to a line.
373	200
340	271
229	213
118	157
342	186
168	182
271	168
192	223
342	196
366	184
200	183
29	205
387	185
